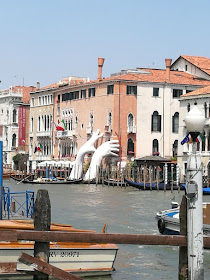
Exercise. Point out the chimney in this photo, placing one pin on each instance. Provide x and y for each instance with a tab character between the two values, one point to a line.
38	85
168	65
100	65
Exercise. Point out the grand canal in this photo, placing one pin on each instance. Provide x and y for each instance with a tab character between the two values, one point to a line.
127	210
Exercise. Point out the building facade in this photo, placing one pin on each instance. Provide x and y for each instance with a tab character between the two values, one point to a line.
14	116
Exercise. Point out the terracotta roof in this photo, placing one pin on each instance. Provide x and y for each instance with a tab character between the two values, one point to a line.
199	61
200	91
51	86
159	76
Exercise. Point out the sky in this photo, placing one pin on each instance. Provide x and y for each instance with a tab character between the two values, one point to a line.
45	40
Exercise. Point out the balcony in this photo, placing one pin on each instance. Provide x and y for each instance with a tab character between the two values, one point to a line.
89	130
62	134
44	133
108	128
131	129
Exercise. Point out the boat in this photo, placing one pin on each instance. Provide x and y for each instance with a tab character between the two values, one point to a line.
153	186
168	220
206	190
115	183
79	258
46	180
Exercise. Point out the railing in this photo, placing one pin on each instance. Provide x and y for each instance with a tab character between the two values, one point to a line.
44	133
18	204
131	129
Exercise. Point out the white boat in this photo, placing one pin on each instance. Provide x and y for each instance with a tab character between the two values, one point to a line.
168	220
79	258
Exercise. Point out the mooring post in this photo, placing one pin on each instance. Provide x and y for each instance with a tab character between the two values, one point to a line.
183	259
42	221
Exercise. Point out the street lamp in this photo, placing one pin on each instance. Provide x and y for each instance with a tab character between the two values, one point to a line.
194	192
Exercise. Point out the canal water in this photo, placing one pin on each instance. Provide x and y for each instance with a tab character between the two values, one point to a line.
127	210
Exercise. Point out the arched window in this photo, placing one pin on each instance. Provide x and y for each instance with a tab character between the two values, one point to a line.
130	120
14	140
130	147
39	123
109	121
156	122
155	147
91	120
14	116
188	107
76	121
205	110
175	123
175	148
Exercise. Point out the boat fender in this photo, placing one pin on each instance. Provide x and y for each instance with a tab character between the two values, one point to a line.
161	225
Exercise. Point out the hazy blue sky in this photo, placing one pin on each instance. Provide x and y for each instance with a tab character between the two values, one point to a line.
44	40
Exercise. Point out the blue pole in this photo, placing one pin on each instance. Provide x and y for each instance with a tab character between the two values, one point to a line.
1	178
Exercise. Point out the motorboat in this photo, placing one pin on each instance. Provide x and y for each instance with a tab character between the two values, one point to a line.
168	220
80	258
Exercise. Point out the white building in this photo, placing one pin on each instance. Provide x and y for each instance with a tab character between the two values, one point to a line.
158	109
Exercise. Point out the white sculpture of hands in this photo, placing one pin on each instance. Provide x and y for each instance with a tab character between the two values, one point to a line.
88	147
108	148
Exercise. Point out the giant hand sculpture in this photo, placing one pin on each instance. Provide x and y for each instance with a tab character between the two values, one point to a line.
88	147
106	149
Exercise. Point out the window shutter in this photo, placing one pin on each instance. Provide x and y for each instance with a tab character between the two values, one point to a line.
152	123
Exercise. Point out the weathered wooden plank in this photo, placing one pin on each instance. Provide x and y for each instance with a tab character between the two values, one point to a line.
46	268
8	267
42	221
6	235
144	239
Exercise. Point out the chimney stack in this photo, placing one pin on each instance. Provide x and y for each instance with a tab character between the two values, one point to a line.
168	65
38	85
100	65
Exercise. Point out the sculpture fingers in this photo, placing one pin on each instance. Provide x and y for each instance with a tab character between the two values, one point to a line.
113	154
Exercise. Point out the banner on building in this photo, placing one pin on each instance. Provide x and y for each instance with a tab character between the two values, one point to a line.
22	125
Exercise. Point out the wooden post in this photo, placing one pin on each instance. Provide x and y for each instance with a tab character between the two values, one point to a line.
42	221
150	177
183	263
172	177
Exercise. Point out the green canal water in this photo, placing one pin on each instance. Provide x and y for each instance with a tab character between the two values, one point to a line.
127	210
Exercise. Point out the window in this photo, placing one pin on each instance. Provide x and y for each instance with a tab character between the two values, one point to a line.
155	91
32	124
110	89
156	122
155	147
186	67
109	121
32	102
175	123
175	148
59	98
63	97
130	147
177	93
14	117
132	90
91	120
58	110
205	110
188	107
40	100
83	93
91	92
76	121
76	95
45	100
14	140
130	122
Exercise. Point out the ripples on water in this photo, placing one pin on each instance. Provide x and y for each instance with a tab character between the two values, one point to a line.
127	210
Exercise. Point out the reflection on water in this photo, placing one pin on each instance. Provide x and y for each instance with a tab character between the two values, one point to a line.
127	210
